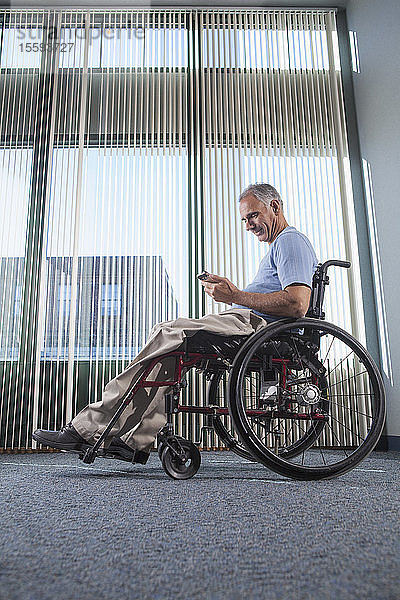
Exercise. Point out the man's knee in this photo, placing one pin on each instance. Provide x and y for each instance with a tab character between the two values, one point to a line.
162	325
180	323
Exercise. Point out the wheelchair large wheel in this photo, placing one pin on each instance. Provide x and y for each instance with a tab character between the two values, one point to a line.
306	399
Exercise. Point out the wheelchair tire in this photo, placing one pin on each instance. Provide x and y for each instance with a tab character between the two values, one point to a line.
329	408
177	469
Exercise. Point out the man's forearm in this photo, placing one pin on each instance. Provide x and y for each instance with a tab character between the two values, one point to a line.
281	304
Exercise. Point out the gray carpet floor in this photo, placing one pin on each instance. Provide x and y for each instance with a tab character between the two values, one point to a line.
111	530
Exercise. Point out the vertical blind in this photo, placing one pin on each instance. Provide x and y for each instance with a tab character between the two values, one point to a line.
126	137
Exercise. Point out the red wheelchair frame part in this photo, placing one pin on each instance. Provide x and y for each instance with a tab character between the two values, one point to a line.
187	360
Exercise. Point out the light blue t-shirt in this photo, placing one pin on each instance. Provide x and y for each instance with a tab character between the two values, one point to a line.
291	259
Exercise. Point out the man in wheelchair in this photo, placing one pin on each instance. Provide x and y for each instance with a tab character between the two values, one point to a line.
281	288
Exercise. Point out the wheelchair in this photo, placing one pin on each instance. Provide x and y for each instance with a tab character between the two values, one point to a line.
301	396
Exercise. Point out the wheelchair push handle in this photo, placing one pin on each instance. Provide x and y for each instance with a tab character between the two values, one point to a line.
320	281
335	263
320	275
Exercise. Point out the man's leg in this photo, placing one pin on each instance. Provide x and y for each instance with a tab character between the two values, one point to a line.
94	418
229	323
88	425
139	426
90	422
143	436
146	413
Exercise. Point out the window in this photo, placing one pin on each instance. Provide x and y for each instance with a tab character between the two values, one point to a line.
125	143
132	246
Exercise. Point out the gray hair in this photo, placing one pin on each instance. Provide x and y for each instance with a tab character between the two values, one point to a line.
263	192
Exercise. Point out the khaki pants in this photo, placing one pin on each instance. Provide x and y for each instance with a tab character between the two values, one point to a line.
145	415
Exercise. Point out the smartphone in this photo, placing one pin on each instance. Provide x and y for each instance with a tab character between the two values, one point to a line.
203	276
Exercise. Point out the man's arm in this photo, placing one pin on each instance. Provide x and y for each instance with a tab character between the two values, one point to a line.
293	301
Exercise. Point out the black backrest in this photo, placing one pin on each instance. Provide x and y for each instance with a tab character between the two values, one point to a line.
320	280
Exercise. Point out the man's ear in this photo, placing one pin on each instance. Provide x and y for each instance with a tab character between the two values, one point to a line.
275	206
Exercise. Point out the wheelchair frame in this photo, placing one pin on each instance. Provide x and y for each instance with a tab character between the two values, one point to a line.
181	458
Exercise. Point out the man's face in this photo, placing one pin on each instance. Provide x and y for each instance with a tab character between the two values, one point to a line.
260	219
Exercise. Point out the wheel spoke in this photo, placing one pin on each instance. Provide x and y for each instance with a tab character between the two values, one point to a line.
339	363
329	349
346	427
343	381
322	455
337	439
346	395
298	353
358	412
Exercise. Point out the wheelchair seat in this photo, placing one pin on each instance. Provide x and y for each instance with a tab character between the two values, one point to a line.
207	342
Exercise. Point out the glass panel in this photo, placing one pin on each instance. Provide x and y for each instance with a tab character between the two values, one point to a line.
119	47
21	48
266	48
132	248
309	187
15	167
144	47
72	47
117	249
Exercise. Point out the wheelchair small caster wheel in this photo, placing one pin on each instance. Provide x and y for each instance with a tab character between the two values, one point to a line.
182	461
161	445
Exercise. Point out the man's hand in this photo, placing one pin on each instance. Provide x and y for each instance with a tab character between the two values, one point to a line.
220	289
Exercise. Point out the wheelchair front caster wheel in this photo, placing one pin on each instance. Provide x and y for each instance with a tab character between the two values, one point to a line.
182	461
161	446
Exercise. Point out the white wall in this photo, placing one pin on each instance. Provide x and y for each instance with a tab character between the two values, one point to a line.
377	99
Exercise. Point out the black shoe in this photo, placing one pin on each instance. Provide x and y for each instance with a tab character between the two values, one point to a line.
118	449
65	439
